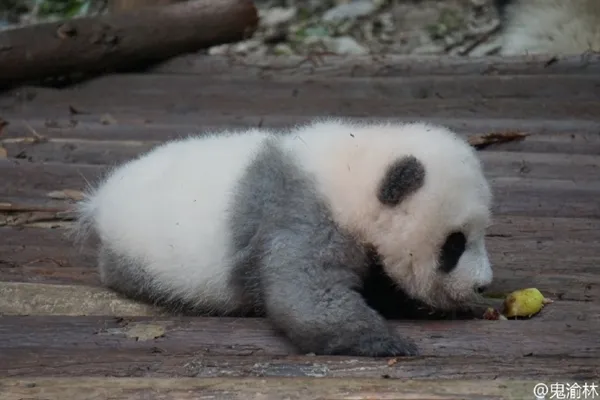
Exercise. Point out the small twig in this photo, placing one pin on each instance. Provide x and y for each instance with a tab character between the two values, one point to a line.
38	138
479	40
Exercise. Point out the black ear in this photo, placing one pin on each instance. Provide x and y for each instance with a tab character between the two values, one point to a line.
403	177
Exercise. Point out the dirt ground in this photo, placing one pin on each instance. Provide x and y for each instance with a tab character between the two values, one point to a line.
458	27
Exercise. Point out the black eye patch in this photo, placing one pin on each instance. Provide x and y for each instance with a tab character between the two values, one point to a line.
453	248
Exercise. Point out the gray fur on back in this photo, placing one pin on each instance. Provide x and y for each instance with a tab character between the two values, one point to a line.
295	264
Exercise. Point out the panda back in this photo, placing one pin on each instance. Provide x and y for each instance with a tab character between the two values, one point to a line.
164	215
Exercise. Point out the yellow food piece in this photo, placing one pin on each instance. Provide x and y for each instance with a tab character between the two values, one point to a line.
524	303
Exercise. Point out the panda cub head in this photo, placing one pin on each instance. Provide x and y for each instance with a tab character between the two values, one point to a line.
417	194
433	244
433	211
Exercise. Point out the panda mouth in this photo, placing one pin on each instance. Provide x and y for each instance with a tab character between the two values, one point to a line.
468	301
450	301
450	304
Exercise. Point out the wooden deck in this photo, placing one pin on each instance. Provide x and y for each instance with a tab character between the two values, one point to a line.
64	337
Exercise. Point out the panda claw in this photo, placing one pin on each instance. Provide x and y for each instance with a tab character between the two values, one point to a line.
380	345
388	346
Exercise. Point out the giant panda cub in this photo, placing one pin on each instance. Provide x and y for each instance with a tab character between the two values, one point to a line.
282	224
561	27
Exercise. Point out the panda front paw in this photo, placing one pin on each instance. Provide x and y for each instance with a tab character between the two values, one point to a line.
386	346
377	344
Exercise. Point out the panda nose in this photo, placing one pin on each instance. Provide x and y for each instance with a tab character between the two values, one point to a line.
481	289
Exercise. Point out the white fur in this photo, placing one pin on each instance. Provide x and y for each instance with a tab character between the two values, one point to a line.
551	27
456	195
168	208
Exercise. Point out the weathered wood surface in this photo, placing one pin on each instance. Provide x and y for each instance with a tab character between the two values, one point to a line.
78	125
61	342
443	338
157	363
264	388
381	65
546	232
515	195
148	97
21	298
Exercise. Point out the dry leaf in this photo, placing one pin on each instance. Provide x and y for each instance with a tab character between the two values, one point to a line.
75	111
142	332
392	361
3	152
482	141
66	194
107	119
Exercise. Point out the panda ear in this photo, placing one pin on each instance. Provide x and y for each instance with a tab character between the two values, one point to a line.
403	177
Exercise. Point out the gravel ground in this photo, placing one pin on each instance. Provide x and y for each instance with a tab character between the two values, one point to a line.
436	27
302	27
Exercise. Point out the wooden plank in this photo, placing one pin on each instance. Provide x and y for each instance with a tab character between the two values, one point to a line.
69	300
513	195
149	96
541	229
44	255
265	388
496	163
158	363
380	65
62	124
150	87
18	298
129	134
435	338
557	255
77	151
544	197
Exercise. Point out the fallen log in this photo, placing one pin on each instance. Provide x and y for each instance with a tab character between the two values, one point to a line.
121	41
